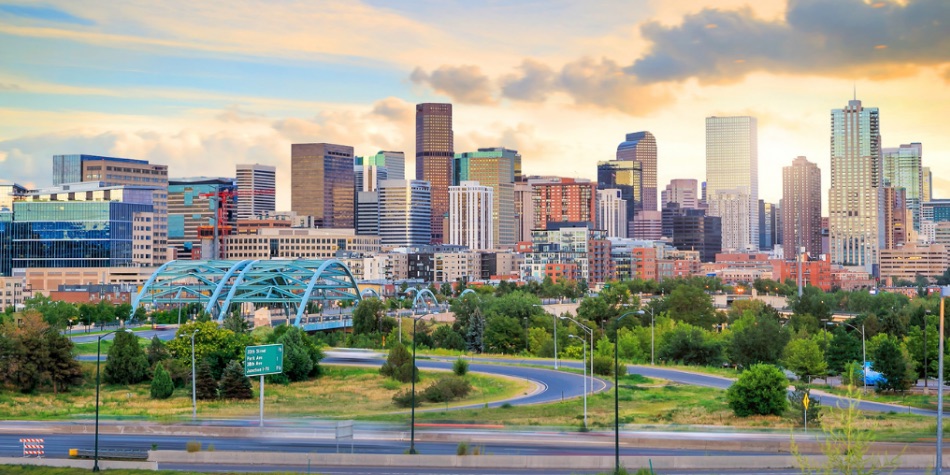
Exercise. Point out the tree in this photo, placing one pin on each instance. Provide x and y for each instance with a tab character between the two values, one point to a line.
760	390
297	362
212	343
503	334
757	339
844	348
63	369
368	316
890	362
690	345
445	337
944	278
917	348
127	363
234	385
475	336
813	301
156	352
206	388
805	359
236	322
162	387
398	365
692	305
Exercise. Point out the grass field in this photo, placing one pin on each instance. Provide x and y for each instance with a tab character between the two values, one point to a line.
343	392
33	470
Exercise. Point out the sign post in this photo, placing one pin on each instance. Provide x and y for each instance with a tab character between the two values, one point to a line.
263	360
805	402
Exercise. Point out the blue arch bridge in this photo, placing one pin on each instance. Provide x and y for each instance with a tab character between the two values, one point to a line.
300	289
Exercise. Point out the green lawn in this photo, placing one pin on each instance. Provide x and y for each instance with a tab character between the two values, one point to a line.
89	348
34	470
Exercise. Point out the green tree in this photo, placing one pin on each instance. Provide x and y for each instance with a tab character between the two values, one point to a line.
236	322
503	334
368	316
297	362
234	385
890	362
692	305
805	359
917	348
757	339
162	387
212	343
944	278
760	390
813	301
844	348
398	365
62	368
690	345
127	363
157	352
445	337
206	388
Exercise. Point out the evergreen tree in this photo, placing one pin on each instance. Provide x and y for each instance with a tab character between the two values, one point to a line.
156	352
206	388
234	385
297	362
127	363
890	362
475	336
844	348
236	323
398	364
63	369
162	387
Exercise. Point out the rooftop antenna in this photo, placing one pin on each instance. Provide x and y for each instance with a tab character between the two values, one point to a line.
855	91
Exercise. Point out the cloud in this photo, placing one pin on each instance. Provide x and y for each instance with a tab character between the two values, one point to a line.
533	82
830	37
394	108
465	84
603	83
10	87
235	114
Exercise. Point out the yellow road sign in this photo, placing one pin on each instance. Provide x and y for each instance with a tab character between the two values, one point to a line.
805	401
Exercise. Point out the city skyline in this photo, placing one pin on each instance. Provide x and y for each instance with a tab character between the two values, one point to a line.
79	80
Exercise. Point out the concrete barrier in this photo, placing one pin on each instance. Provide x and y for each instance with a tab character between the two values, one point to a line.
79	463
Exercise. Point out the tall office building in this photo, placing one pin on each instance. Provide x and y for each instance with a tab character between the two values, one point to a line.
471	220
626	176
612	213
372	169
856	196
801	208
732	167
641	147
896	217
367	213
111	171
7	193
405	213
495	168
902	169
256	187
524	211
694	231
770	224
190	209
926	185
681	191
563	200
435	153
322	184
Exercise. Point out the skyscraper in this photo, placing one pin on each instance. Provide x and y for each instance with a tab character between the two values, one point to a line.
470	216
623	175
256	186
926	185
372	169
896	222
732	169
856	199
801	208
681	191
435	153
612	213
902	169
495	168
190	209
404	213
322	184
111	171
563	200
641	147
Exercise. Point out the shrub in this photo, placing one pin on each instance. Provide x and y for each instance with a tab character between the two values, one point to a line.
760	390
460	367
462	449
234	385
447	389
193	446
603	365
398	364
404	399
162	386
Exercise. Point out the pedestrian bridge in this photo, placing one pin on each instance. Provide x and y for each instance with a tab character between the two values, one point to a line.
300	287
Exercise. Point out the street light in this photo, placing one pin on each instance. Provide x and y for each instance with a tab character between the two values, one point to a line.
617	390
652	335
944	293
412	425
864	352
590	333
194	400
95	463
584	367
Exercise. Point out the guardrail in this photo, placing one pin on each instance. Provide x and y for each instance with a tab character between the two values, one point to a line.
110	454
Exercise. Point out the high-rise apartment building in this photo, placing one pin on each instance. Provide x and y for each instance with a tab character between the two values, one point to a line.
801	208
681	191
612	213
626	176
926	185
191	209
524	211
471	216
405	213
256	190
732	167
111	171
322	184
641	147
896	217
856	196
435	153
770	222
495	168
902	169
563	200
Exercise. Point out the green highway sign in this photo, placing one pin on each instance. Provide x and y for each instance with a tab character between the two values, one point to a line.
263	359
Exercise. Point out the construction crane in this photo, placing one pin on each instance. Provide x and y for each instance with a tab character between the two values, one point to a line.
220	212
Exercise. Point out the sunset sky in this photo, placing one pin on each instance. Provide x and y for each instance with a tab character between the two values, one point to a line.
204	85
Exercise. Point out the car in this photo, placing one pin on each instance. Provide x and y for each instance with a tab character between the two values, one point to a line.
352	354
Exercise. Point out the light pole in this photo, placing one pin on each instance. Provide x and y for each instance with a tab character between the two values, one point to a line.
590	333
617	390
555	335
584	367
652	335
944	293
412	424
864	353
95	463
194	400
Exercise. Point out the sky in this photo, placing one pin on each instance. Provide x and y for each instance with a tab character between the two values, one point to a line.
203	86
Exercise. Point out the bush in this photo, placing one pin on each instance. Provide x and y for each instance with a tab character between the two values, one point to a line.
162	387
398	364
460	367
404	399
462	449
603	365
447	389
234	385
760	390
193	446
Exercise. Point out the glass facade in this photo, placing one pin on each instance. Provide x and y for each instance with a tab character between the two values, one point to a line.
322	184
74	234
6	243
641	148
435	153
